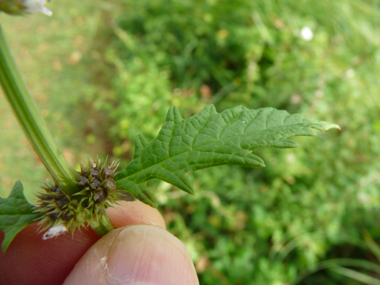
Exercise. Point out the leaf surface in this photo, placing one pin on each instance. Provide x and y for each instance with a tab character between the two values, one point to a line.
209	139
15	214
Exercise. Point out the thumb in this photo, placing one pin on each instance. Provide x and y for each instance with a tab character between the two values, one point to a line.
139	254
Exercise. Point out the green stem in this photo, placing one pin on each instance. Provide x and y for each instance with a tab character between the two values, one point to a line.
37	132
103	226
31	121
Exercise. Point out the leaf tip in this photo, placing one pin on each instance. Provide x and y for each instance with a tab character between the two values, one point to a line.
140	144
190	190
325	126
5	244
211	108
15	203
174	115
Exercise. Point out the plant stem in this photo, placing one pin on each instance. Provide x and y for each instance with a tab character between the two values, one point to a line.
31	121
103	226
37	132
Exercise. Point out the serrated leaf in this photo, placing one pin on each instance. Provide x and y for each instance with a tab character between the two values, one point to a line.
209	139
15	214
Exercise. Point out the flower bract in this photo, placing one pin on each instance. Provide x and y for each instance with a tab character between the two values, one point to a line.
34	6
20	7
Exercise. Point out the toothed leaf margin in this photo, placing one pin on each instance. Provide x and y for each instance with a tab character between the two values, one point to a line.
15	214
209	139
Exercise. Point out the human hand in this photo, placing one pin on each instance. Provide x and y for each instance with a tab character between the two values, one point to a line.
138	251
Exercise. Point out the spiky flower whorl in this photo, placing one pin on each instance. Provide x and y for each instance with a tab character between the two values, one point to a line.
97	192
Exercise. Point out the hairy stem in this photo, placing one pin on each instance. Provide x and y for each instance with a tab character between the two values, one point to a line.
31	121
37	132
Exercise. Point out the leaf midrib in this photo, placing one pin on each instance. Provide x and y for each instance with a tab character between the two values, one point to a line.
192	149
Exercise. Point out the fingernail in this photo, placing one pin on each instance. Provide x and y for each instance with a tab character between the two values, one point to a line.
145	254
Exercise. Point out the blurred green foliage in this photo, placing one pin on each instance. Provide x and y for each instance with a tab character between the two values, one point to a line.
260	226
118	77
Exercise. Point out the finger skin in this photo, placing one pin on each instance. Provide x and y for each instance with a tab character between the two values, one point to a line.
137	254
135	213
31	260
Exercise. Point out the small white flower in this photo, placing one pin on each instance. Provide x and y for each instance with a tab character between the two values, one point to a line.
307	34
54	232
34	6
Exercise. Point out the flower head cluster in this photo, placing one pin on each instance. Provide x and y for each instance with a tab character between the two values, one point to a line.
98	191
21	7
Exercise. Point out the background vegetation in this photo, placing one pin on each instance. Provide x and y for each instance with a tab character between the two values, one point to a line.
102	72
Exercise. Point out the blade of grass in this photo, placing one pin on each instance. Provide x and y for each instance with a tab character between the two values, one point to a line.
332	263
358	276
373	246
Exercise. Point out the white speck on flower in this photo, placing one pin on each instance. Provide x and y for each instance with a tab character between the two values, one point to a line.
54	232
34	6
307	34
